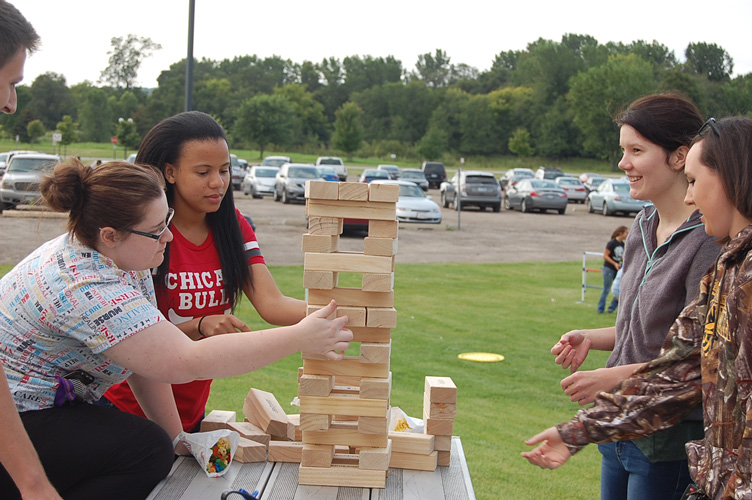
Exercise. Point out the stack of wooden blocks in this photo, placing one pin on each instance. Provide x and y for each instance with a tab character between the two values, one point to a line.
344	405
439	412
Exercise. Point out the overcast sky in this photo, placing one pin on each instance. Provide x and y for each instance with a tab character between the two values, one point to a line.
76	33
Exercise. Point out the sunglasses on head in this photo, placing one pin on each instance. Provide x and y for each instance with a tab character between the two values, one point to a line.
710	124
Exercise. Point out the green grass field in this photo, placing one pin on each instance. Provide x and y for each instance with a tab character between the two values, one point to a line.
517	310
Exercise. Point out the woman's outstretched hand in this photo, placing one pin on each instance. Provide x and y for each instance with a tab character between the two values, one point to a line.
326	336
552	451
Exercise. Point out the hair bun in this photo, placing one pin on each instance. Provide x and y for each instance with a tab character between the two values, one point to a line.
65	189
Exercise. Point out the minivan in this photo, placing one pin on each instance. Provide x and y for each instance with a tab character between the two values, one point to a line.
435	173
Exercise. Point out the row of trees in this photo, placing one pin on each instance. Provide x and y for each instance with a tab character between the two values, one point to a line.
553	99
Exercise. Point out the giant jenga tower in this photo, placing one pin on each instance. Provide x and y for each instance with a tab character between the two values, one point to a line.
344	405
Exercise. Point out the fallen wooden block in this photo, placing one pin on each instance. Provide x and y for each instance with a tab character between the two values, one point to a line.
262	410
412	442
347	476
285	451
249	431
413	461
250	451
217	419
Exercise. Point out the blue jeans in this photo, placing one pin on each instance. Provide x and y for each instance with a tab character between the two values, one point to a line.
627	474
608	278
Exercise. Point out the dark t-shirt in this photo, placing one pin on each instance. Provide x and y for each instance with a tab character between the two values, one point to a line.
615	249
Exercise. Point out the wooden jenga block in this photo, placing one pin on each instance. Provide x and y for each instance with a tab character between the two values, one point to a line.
317	455
440	390
285	451
249	451
320	243
324	280
342	476
345	404
375	353
444	458
375	458
325	225
347	262
217	419
373	425
345	433
321	190
313	309
413	461
376	388
371	210
442	443
381	317
438	426
412	442
315	385
383	228
350	365
383	192
380	246
249	431
367	334
351	297
381	282
262	410
356	316
438	410
314	422
353	191
293	428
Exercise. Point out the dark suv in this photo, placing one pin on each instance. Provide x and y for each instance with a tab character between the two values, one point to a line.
435	173
550	173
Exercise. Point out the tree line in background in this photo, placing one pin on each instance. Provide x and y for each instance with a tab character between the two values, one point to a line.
553	99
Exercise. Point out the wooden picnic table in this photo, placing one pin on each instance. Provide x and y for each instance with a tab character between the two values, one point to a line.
279	481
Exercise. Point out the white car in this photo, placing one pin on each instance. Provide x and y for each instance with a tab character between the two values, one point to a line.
259	181
23	176
576	191
413	205
335	162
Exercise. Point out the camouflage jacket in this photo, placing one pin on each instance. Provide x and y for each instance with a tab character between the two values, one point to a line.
706	356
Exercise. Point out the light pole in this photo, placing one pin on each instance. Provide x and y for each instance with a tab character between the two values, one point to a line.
458	195
189	59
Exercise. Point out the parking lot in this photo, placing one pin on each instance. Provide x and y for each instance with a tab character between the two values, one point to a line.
476	236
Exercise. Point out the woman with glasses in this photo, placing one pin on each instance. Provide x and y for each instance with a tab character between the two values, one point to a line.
707	356
666	253
79	314
214	257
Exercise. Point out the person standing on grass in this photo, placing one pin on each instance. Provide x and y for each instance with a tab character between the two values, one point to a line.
79	314
707	355
611	265
667	252
214	258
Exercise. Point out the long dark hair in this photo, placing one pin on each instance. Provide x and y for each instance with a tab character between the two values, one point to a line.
164	144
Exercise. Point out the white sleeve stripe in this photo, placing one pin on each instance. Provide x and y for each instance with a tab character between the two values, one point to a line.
251	245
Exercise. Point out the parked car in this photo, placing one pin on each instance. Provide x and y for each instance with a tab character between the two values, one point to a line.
237	172
588	175
576	191
4	157
371	174
259	181
536	194
415	175
275	161
289	183
328	173
513	173
392	170
435	173
593	182
20	184
612	197
548	173
335	162
475	188
131	158
413	205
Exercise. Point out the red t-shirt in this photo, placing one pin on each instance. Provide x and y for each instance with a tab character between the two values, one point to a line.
193	289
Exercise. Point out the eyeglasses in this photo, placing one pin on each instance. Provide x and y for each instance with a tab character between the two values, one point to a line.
710	124
155	236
